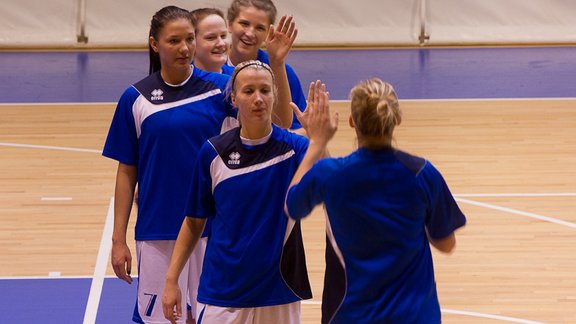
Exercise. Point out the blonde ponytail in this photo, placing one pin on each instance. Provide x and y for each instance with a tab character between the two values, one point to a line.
375	108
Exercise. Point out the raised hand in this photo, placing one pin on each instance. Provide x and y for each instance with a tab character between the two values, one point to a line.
321	127
302	116
280	39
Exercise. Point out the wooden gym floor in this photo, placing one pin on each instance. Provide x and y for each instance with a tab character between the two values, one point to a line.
509	163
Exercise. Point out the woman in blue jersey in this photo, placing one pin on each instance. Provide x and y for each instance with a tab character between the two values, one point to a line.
248	24
158	128
212	44
385	207
211	55
254	267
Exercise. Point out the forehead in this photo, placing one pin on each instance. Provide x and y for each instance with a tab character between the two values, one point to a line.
177	26
254	15
253	76
211	23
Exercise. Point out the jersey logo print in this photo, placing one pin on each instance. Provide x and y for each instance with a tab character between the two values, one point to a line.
234	158
157	95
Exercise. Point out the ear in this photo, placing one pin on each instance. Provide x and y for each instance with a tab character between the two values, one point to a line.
153	44
233	98
351	122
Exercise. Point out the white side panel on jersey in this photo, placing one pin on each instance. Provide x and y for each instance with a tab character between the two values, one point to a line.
221	172
143	108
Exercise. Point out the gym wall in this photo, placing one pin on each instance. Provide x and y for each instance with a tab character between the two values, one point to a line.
108	23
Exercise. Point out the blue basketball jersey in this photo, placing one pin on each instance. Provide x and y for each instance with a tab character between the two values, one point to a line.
378	261
255	256
159	128
227	69
294	82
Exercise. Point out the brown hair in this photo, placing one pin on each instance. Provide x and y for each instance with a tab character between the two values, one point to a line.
201	13
255	65
264	5
160	19
375	108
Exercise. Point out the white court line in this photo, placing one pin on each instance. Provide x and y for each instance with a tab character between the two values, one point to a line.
44	277
497	317
48	147
332	100
518	212
55	198
311	302
458	312
57	104
100	270
490	99
548	194
475	99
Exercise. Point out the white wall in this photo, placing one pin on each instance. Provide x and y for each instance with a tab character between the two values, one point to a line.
55	23
502	21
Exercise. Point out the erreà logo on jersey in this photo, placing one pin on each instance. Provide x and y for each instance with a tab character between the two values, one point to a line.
157	95
234	158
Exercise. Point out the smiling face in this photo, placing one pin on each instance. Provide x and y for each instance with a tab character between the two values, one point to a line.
254	96
211	43
175	44
248	31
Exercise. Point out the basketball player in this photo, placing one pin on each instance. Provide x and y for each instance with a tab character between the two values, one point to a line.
211	55
385	207
158	127
212	44
248	24
254	268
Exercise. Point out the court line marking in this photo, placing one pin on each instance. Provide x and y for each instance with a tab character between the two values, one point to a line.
314	302
471	99
93	104
311	302
483	315
45	277
517	212
55	198
8	104
458	312
546	194
49	277
49	147
100	269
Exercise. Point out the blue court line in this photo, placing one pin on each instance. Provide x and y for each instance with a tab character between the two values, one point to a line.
49	301
63	300
416	73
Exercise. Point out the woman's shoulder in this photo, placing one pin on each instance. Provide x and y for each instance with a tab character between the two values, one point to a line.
129	96
227	69
263	57
150	81
218	79
414	163
289	136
